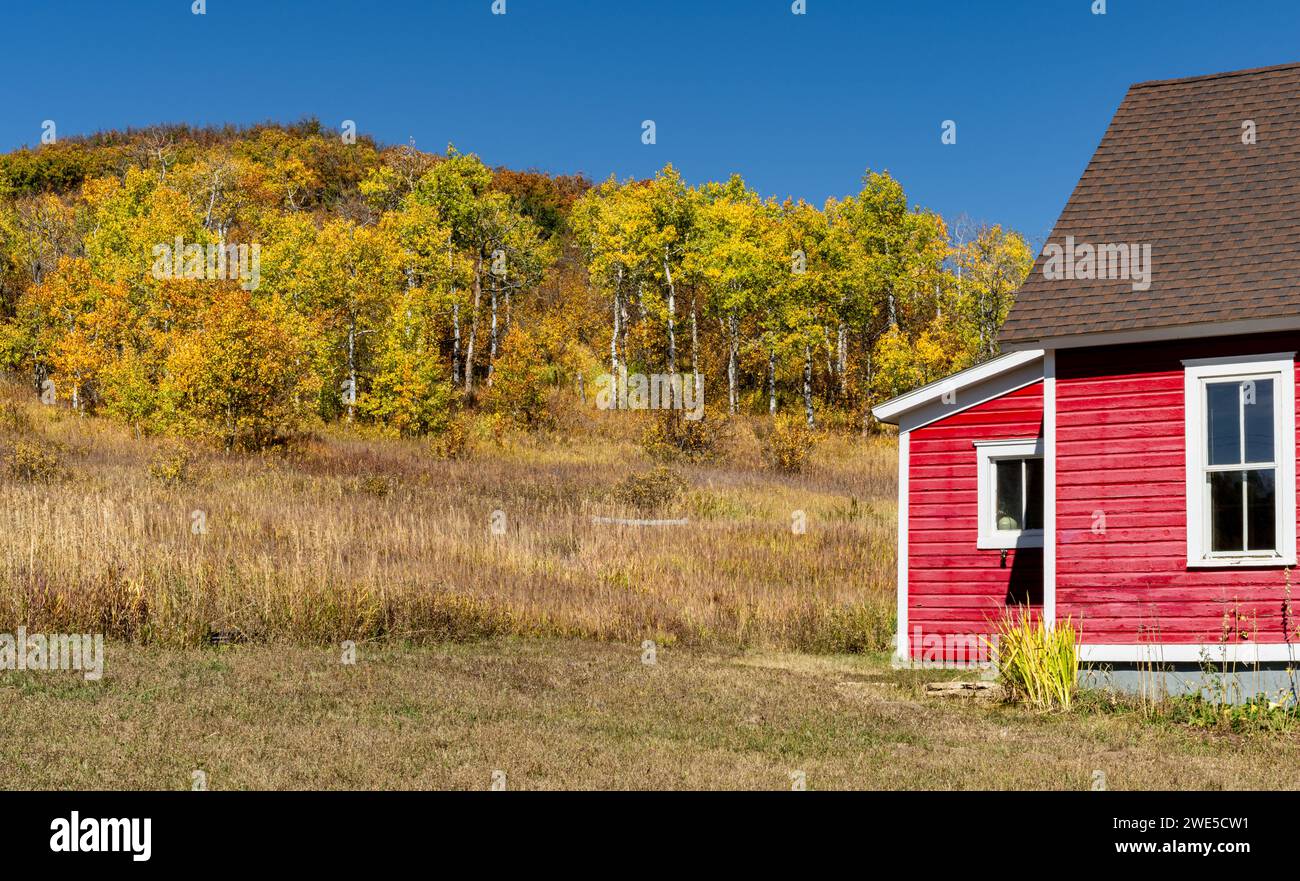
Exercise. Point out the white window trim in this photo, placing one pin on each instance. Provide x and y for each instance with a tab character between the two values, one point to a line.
986	453
1281	368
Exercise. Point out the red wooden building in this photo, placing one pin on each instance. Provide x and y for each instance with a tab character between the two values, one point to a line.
1129	462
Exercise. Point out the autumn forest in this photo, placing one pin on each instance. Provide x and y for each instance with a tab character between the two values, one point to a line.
246	285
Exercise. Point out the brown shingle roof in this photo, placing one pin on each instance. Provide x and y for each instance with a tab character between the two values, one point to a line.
1222	217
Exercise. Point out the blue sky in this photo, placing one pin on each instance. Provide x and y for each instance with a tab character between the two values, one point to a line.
799	105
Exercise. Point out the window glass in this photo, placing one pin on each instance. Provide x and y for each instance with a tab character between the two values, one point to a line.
1223	416
1034	494
1226	510
1257	406
1261	501
1009	493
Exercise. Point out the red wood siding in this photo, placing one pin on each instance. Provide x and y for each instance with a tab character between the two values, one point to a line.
953	588
1120	450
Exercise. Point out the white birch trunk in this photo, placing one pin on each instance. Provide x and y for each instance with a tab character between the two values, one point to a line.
807	384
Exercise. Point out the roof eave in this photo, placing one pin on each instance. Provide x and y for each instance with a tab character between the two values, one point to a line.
891	410
1164	333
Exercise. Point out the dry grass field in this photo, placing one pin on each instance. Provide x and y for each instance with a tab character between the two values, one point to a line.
555	714
227	584
348	538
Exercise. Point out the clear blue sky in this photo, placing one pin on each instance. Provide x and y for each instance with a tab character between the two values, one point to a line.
799	105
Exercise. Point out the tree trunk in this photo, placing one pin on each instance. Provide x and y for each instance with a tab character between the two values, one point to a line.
473	325
613	340
866	416
893	305
830	358
613	352
455	343
771	382
212	201
695	354
352	366
623	347
672	331
807	383
492	343
842	358
733	351
455	318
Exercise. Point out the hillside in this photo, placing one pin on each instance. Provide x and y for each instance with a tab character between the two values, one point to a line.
343	538
246	286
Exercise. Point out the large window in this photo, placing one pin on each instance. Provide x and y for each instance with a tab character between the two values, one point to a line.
1010	490
1240	461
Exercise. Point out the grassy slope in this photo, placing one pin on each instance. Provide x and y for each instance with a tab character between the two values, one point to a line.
571	714
349	538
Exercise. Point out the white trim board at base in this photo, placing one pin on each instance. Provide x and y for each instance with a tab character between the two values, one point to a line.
1183	653
1150	653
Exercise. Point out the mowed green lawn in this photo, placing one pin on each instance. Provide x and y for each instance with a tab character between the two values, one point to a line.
572	714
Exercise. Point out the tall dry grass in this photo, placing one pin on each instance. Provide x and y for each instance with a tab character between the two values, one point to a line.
353	538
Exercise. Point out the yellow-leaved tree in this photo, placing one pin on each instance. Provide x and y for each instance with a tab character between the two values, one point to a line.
242	373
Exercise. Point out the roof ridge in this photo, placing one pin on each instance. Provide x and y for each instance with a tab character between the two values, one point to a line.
1214	76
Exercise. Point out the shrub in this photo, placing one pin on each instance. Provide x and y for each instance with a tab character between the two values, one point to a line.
518	390
410	397
1259	713
1036	664
376	485
670	436
171	466
650	492
14	418
849	629
452	442
789	444
34	464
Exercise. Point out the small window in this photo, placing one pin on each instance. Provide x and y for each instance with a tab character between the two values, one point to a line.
1240	461
1010	489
